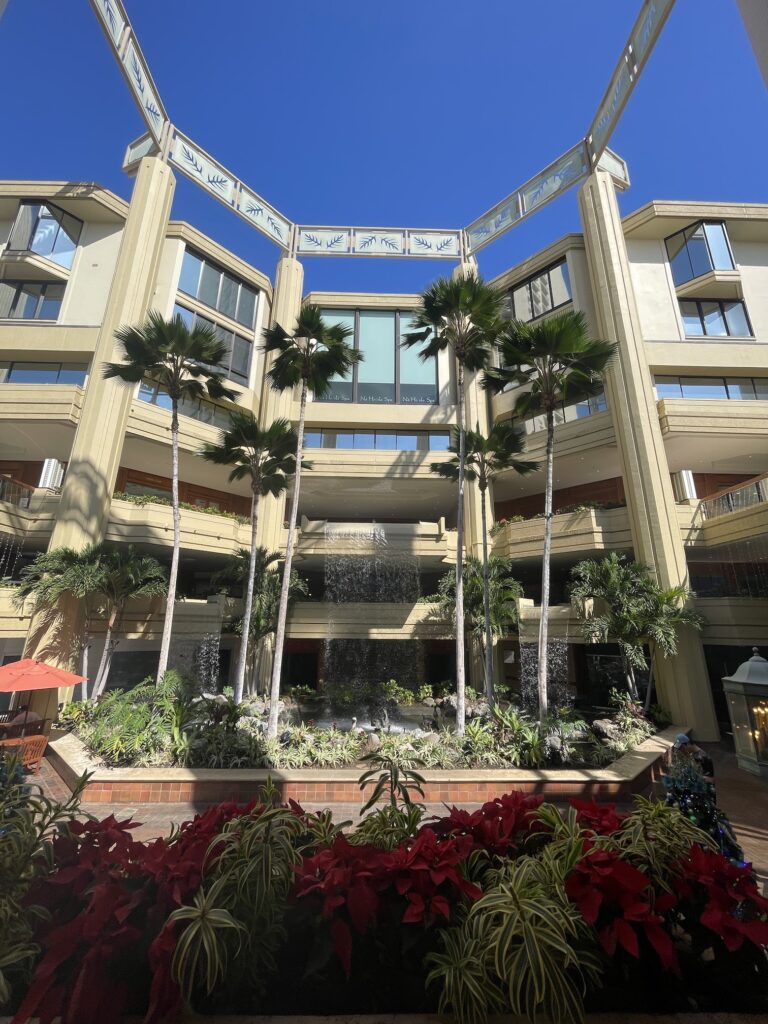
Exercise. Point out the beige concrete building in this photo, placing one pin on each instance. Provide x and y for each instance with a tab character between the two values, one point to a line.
670	464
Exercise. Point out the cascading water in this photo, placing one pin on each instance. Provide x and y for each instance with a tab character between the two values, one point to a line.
366	570
206	662
558	691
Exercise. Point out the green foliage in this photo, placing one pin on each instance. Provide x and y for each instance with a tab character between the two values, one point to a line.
29	821
388	826
389	778
313	354
523	949
158	499
423	693
504	592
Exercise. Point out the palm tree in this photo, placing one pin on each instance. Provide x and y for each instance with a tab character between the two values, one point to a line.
309	358
63	573
126	574
186	364
484	459
632	610
462	315
267	457
233	579
557	363
491	593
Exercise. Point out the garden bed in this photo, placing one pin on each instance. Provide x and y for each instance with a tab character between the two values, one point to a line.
633	773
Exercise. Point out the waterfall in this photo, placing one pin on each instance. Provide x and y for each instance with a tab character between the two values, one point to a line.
206	662
558	691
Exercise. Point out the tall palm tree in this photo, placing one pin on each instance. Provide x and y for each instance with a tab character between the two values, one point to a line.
126	575
186	364
63	573
484	459
557	363
461	315
497	583
632	610
233	579
268	458
309	357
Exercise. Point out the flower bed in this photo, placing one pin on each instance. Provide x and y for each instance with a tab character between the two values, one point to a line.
264	908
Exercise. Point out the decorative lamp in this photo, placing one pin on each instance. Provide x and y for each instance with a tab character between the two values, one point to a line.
746	692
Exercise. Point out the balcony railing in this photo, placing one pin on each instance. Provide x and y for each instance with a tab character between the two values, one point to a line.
755	492
14	492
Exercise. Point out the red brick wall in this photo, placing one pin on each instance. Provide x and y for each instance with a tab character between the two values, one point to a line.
598	490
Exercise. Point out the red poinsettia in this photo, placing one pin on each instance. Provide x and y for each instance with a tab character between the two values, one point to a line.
355	884
499	827
734	909
600	818
618	901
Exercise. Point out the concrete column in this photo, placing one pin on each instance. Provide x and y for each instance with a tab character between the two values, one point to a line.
683	681
755	16
90	478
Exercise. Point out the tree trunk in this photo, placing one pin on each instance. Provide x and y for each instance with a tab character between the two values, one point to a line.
631	681
84	668
544	623
489	693
106	661
242	658
649	691
461	700
282	614
165	646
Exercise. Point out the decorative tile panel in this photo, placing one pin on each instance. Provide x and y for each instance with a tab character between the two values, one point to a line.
647	28
140	81
434	243
555	179
321	241
201	168
261	215
378	242
395	242
110	13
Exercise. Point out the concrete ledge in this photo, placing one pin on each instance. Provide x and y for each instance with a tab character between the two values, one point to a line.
632	773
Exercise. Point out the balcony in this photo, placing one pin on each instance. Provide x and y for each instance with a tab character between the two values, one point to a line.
587	530
318	537
321	620
42	403
737	515
152	423
713	416
13	623
26	513
151	525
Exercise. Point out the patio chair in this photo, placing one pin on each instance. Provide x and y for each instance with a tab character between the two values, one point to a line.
8	747
33	749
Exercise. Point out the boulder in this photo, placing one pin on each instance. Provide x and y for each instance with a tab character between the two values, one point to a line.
605	729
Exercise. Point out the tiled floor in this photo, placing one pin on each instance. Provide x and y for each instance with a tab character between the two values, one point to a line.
742	796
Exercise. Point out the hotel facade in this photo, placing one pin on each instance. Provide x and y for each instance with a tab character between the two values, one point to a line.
669	465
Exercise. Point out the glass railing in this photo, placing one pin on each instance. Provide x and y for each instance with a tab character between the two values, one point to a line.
736	500
15	493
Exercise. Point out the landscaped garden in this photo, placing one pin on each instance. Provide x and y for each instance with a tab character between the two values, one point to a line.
515	907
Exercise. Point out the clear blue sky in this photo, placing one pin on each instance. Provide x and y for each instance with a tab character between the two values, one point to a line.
403	112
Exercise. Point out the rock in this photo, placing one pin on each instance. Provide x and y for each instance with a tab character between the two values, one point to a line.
372	742
429	702
605	729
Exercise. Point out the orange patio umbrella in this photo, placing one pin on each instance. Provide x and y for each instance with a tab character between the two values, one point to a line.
28	674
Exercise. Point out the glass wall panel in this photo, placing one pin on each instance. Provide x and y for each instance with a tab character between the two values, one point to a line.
718	246
407	442
704	387
560	283
34	373
376	373
50	306
761	388
692	324
418	377
541	300
736	318
678	258
72	373
668	387
246	306
190	273
313	439
714	321
345	439
386	442
522	302
27	300
7	299
228	296
341	387
740	388
365	439
209	285
698	251
439	442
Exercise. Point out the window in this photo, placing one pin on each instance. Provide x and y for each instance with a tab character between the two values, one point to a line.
43	373
733	389
697	250
379	440
237	361
568	413
218	289
198	408
47	231
539	294
715	318
30	300
388	374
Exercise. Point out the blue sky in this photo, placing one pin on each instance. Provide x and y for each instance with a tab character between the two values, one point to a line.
405	112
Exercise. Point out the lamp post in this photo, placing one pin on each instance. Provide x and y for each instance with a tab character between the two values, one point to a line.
746	692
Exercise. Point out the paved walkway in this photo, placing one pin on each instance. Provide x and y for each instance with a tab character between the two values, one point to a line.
742	796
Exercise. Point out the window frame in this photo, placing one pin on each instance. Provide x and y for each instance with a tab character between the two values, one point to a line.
680	379
527	282
422	437
8	365
223	273
18	285
44	204
712	268
353	378
698	302
238	378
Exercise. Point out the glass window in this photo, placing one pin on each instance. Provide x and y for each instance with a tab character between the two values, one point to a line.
228	296
341	389
376	373
190	273
544	291
439	442
714	321
186	315
209	285
237	359
668	387
761	388
47	231
313	439
7	299
246	306
27	300
133	487
72	373
364	439
386	442
704	387
698	249
740	388
50	306
407	442
560	283
718	246
418	377
345	439
522	303
692	324
34	373
736	318
147	391
241	357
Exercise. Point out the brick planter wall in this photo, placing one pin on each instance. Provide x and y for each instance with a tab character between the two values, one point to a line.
633	773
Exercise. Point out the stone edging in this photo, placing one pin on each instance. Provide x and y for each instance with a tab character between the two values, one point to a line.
632	773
